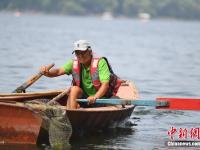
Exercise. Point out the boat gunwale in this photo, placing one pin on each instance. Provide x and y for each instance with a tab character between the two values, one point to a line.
96	109
102	109
40	93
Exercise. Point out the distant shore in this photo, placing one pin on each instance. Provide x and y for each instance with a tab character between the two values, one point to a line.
100	16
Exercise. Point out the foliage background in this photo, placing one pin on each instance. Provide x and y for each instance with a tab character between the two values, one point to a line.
180	9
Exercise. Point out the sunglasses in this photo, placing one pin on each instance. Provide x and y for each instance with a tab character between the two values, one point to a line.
78	52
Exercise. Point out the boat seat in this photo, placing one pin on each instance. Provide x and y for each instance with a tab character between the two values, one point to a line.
128	90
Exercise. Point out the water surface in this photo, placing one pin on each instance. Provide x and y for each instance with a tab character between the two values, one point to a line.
160	56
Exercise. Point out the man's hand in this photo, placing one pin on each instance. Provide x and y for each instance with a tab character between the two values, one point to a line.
91	99
103	89
44	70
53	72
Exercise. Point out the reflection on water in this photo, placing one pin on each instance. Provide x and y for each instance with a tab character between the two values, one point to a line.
19	147
101	140
161	57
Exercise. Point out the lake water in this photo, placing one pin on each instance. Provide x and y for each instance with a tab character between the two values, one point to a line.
162	57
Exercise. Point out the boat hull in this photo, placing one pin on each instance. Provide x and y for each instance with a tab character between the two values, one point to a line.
18	125
22	125
92	119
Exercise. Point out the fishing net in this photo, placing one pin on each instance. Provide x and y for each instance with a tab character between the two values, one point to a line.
56	122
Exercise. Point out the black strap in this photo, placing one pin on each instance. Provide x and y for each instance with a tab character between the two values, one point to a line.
109	66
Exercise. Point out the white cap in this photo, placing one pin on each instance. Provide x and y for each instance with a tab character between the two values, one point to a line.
81	45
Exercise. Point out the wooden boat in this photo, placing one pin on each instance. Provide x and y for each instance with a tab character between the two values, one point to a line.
20	124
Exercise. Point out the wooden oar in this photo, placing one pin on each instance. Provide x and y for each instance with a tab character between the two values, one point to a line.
159	103
65	92
129	102
29	82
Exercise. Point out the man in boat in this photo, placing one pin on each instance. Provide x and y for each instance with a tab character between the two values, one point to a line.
93	77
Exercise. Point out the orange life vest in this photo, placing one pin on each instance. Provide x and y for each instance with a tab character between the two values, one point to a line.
114	82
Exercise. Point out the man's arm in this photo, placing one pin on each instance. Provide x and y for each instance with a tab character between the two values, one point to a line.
104	76
53	72
101	92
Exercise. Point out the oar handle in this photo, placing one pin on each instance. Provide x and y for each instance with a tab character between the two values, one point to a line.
65	92
29	82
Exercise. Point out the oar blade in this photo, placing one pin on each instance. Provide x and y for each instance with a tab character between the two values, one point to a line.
181	103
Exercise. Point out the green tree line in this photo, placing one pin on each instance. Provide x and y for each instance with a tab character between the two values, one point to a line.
183	9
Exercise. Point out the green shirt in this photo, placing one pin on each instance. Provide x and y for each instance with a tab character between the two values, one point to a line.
87	85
